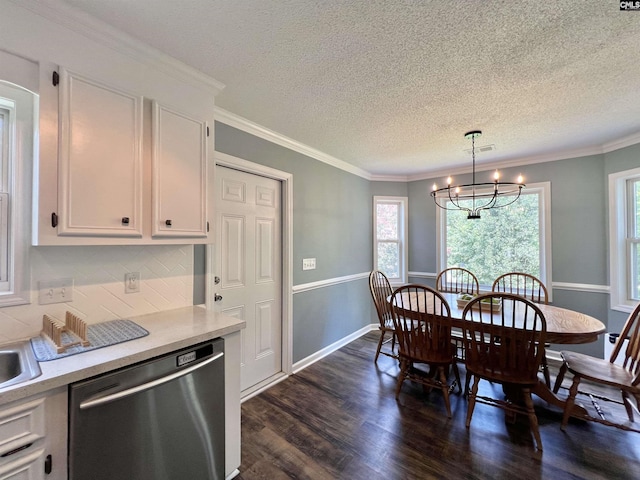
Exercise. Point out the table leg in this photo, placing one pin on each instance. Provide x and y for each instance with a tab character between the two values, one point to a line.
514	394
542	391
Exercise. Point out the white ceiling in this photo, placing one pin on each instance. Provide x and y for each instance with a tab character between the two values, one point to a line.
391	86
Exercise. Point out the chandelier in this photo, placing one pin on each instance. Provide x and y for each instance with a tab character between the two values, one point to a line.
474	197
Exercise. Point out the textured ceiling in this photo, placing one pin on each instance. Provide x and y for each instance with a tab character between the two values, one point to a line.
392	86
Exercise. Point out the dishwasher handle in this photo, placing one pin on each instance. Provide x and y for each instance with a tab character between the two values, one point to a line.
146	386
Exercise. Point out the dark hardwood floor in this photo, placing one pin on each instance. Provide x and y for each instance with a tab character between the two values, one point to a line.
338	419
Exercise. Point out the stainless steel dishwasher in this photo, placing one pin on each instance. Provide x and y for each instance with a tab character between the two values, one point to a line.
162	419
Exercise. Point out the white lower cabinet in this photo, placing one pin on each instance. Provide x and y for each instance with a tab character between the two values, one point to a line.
33	438
29	467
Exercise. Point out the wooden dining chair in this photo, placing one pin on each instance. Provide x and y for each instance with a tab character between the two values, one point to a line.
522	284
380	291
528	286
422	319
625	377
457	280
504	338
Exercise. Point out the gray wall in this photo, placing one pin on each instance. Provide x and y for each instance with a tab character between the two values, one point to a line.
332	221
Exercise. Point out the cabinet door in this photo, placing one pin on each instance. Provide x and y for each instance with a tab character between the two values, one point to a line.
100	159
179	165
22	432
29	467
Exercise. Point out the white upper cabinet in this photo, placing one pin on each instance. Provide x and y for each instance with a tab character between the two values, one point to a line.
125	133
100	159
179	171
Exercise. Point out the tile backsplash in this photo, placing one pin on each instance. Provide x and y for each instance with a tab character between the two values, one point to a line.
166	282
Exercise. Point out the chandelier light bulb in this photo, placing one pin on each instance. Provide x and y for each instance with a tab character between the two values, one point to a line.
520	179
496	175
449	180
435	187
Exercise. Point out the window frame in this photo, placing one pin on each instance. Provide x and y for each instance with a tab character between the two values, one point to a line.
543	190
21	108
620	239
403	230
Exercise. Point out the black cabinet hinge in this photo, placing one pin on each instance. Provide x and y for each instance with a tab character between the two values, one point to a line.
48	464
55	79
207	226
54	220
207	131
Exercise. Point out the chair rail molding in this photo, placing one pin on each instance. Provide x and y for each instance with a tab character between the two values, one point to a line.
431	275
581	287
305	287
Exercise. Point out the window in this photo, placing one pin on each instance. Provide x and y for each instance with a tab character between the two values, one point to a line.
18	114
390	233
513	238
624	215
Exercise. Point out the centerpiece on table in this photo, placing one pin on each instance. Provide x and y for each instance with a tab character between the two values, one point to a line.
465	298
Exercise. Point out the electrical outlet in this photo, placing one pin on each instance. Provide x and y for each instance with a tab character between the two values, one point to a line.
59	290
132	282
308	264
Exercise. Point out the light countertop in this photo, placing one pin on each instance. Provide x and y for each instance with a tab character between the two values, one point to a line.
168	331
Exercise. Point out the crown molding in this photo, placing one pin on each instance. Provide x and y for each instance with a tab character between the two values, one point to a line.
236	121
95	29
552	157
253	128
621	143
390	178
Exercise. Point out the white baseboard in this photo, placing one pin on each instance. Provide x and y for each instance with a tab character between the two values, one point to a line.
311	359
553	356
262	386
233	474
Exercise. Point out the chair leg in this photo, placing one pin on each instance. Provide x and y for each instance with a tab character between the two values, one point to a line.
545	371
571	400
393	341
472	397
467	382
560	377
456	372
627	404
444	386
533	419
382	332
404	368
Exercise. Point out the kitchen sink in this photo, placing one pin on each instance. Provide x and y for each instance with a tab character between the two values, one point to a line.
17	363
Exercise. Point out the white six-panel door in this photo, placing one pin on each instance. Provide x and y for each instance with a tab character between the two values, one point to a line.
249	264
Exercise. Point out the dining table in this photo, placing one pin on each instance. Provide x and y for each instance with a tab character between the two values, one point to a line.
564	326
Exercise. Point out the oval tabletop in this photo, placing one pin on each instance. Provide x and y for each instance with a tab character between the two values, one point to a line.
563	325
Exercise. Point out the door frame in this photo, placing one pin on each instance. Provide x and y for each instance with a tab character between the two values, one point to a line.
286	180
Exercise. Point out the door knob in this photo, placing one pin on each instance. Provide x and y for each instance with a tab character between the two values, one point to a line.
217	298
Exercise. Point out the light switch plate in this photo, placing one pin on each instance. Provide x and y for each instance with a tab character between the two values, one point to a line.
59	290
308	264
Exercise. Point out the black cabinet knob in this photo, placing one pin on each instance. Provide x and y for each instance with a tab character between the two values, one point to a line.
125	220
168	223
